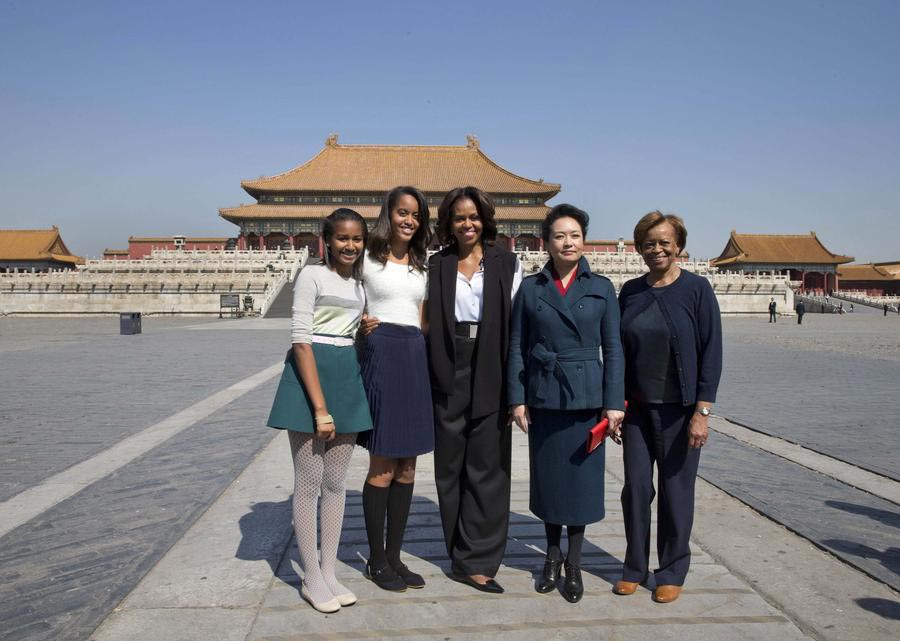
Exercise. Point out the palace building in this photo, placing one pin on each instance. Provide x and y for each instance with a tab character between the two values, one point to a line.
35	249
875	279
290	206
802	258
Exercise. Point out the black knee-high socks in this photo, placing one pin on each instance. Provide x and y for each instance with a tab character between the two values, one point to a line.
399	501
393	502
575	534
375	500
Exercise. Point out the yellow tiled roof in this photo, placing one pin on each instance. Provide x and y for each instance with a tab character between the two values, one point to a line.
379	168
777	248
35	244
865	271
293	212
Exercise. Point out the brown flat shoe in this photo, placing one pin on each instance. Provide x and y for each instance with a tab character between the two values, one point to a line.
626	587
666	593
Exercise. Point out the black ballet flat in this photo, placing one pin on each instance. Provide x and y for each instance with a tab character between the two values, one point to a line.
410	578
549	576
385	578
490	586
573	588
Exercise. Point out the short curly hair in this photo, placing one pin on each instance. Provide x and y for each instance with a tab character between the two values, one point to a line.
654	218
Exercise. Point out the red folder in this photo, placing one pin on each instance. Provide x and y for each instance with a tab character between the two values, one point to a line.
597	434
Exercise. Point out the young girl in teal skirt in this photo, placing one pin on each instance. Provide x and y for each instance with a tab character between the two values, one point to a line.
321	402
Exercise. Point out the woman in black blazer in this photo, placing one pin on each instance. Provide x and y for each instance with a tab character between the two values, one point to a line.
471	283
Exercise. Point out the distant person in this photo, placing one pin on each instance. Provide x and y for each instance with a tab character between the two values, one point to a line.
320	401
773	306
851	308
885	309
672	339
801	310
841	308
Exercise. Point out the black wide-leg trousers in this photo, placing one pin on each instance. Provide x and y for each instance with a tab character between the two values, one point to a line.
658	434
472	461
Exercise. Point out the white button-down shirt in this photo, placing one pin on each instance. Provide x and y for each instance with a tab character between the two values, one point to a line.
470	294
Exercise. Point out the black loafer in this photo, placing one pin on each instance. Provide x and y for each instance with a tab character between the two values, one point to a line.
549	576
385	578
490	586
410	578
573	588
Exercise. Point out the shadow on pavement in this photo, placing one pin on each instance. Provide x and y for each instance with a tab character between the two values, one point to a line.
265	532
882	516
882	607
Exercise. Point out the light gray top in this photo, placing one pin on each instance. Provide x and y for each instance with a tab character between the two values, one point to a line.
325	303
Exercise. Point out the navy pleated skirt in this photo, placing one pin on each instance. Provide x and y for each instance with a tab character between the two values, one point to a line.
566	482
395	376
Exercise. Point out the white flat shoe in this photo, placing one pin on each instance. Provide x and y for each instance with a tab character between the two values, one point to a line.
345	599
327	607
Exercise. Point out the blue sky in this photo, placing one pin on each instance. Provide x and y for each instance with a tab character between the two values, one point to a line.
124	118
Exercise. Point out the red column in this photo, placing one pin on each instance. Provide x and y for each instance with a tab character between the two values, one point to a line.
512	243
291	240
242	242
541	243
321	246
262	241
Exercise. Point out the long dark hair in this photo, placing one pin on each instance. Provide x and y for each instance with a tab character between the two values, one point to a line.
380	240
483	204
343	215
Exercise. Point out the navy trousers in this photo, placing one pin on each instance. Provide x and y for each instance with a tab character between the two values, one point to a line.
657	434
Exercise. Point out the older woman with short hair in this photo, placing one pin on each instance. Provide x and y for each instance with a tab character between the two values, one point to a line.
672	337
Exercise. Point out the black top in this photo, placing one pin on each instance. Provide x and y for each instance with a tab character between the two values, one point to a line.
691	313
648	350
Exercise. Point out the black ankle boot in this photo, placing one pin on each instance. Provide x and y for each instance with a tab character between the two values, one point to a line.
549	576
573	588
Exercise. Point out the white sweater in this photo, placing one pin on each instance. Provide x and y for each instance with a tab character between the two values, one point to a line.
394	292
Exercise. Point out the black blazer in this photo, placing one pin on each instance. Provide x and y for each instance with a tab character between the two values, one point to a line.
489	368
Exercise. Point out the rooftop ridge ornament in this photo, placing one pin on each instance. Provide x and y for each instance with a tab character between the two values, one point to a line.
332	140
472	141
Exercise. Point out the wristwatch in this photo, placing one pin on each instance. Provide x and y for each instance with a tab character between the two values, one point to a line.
703	411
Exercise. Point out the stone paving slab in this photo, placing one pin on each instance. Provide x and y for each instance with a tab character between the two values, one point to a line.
802	383
94	388
861	529
62	572
716	605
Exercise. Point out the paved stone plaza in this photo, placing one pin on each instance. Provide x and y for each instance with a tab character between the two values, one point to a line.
178	524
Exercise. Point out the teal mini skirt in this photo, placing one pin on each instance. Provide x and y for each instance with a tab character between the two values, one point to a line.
341	384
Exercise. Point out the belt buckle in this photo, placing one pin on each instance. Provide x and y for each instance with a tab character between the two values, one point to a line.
473	331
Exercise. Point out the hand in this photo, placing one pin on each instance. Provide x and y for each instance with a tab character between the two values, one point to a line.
698	431
325	431
615	418
519	415
367	324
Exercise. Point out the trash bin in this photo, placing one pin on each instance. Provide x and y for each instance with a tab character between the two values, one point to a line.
130	323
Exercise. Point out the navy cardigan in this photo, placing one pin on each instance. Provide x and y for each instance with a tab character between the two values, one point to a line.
695	328
566	353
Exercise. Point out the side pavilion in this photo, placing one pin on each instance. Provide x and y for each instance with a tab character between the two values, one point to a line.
801	257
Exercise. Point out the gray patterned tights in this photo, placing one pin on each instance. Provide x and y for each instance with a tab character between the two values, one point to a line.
320	469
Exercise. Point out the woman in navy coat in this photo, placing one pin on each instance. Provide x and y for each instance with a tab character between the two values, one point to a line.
566	372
